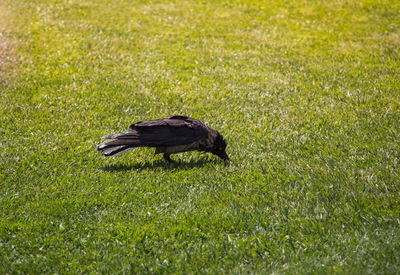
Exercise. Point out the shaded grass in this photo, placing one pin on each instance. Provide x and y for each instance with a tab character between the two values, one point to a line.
306	94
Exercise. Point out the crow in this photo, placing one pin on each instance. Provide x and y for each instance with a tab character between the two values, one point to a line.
170	135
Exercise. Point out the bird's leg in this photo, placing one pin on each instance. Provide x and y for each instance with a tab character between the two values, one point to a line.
167	157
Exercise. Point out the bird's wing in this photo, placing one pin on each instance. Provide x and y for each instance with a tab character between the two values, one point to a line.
176	130
173	121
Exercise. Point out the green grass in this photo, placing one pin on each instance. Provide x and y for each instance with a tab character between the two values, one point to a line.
305	92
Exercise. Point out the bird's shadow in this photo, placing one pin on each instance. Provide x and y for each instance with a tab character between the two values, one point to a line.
158	164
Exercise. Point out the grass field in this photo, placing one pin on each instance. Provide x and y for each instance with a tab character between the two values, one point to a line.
305	92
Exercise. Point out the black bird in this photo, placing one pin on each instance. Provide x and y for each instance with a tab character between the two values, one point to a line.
170	135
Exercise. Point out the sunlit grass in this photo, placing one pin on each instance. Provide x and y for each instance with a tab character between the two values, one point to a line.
305	92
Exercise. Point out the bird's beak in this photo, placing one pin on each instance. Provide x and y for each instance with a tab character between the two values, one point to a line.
224	156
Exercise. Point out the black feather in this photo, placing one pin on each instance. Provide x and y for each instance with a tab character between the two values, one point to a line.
168	135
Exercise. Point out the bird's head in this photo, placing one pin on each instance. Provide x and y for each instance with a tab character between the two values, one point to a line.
219	146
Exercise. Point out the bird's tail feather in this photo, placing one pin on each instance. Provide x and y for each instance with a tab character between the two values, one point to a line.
119	143
115	152
109	148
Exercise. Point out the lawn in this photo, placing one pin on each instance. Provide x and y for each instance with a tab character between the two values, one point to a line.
307	94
